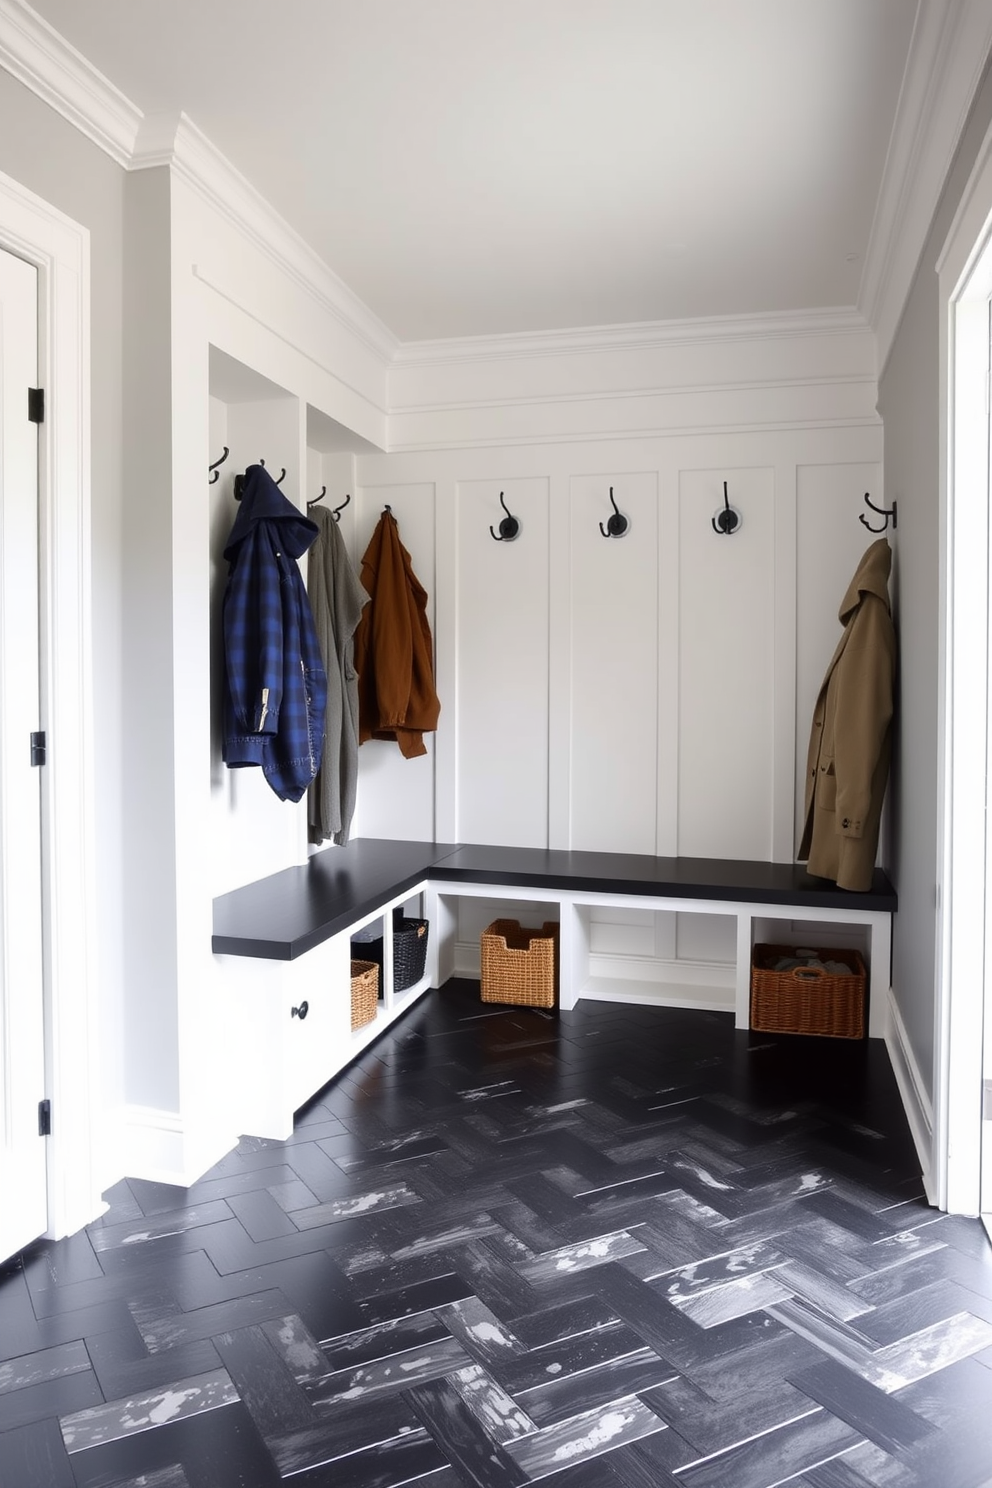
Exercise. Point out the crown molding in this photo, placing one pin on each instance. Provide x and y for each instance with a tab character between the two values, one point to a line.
947	55
175	141
636	336
33	52
622	395
652	432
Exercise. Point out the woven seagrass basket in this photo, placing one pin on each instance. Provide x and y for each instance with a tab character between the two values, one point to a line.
520	966
808	999
364	992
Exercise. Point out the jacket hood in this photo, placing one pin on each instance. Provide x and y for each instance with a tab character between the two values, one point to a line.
871	578
262	501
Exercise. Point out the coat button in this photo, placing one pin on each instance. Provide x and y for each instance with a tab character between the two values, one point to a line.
845	822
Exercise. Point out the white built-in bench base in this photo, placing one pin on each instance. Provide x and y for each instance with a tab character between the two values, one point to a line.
284	942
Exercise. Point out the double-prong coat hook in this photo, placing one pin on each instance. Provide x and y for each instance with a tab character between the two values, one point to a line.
279	478
215	477
728	520
616	525
889	513
509	527
239	481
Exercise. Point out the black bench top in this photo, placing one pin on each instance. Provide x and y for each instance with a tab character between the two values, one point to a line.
288	913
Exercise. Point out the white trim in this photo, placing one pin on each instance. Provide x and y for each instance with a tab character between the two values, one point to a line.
213	283
39	57
950	45
151	1144
34	52
962	969
619	395
603	436
912	1089
635	336
155	1146
60	249
175	141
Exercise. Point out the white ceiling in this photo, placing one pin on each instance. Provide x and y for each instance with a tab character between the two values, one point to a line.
472	167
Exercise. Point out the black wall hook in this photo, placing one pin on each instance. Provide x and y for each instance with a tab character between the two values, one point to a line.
337	510
728	521
889	513
216	473
279	479
509	527
239	482
323	493
616	525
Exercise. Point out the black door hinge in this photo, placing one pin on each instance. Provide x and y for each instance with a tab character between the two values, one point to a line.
39	749
44	1118
36	405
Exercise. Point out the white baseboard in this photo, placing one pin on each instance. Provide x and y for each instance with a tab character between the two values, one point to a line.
468	959
916	1102
157	1147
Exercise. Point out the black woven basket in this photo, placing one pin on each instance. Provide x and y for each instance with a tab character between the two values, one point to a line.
409	949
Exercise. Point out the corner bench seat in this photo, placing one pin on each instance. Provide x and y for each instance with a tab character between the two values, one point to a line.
283	949
288	913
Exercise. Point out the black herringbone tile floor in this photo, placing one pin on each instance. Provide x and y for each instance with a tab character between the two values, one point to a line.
615	1248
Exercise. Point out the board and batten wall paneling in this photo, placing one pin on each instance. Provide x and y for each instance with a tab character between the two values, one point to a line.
830	542
614	665
726	667
502	664
396	795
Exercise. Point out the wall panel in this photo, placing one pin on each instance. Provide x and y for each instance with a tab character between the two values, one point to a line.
614	665
726	670
502	664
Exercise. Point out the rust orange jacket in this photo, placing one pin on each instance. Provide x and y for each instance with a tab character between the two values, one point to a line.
393	647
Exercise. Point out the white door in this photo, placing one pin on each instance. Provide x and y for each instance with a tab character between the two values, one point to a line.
23	1178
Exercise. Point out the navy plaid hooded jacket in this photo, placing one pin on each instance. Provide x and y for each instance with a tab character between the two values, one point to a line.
275	686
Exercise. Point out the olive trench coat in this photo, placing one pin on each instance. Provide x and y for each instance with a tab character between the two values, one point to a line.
847	764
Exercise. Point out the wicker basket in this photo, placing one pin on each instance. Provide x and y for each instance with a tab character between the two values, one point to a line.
808	999
364	992
409	949
520	966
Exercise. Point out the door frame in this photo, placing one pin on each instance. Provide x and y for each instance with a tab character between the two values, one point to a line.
963	971
60	250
